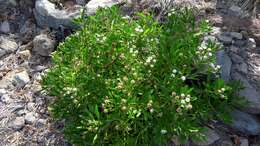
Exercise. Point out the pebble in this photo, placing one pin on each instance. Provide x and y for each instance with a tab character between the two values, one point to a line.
18	123
21	79
7	45
6	98
30	118
2	92
5	27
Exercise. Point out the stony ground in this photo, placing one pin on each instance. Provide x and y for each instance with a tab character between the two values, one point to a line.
26	42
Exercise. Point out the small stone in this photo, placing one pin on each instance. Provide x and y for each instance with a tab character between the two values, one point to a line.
40	123
81	2
7	45
252	43
236	35
31	106
6	98
43	45
211	137
245	123
2	92
5	27
18	123
26	54
225	62
20	112
21	79
226	40
244	142
30	118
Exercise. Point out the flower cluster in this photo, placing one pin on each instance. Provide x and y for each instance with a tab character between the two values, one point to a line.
139	29
204	53
183	101
221	93
174	74
150	106
150	61
101	38
107	105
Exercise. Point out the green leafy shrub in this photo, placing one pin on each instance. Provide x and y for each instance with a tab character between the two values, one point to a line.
133	81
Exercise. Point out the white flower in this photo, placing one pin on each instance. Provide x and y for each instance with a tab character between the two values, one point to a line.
182	95
126	17
174	71
163	131
139	29
189	106
183	78
183	101
173	75
187	99
210	54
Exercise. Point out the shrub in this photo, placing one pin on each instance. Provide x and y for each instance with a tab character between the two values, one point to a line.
134	81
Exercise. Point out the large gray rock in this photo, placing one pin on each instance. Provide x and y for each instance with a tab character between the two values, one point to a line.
211	137
43	45
93	5
251	94
47	15
245	123
225	62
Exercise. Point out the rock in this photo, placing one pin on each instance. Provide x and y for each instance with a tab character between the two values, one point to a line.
244	142
31	106
211	137
18	123
251	43
225	62
27	31
236	35
46	14
81	2
21	79
251	94
40	123
226	40
43	45
6	98
235	10
240	43
245	123
7	46
5	27
242	67
30	118
226	143
93	5
2	92
236	59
